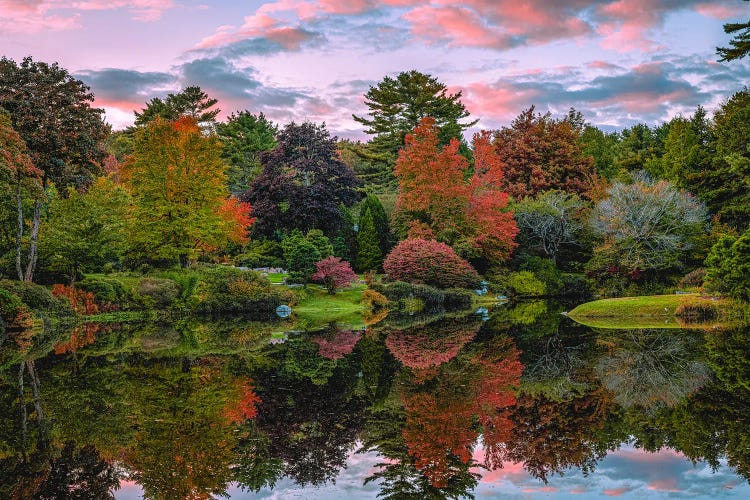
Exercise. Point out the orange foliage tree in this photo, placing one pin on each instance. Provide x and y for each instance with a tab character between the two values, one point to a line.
181	203
439	197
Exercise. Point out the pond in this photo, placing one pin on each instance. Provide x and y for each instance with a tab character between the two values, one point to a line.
517	401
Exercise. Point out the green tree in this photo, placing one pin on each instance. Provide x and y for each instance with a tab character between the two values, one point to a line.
369	254
728	266
52	113
380	220
739	45
725	185
686	154
245	136
86	230
18	175
177	179
397	105
602	147
190	101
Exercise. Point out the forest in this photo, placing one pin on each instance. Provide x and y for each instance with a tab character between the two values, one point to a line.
174	211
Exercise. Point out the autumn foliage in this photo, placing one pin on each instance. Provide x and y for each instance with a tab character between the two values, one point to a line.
181	203
337	345
81	301
244	407
438	198
334	273
431	263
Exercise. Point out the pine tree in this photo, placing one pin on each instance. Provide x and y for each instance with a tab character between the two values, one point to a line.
369	256
380	220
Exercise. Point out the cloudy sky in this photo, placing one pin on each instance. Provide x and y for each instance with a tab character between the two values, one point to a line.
617	61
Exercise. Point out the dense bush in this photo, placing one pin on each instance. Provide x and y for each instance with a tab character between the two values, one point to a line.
693	279
524	284
457	299
36	296
546	272
260	253
162	292
428	262
574	285
104	289
9	307
403	296
696	312
230	290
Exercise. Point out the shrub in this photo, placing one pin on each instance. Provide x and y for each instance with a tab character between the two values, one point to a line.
9	306
36	296
301	260
401	293
457	299
546	271
334	273
163	292
696	312
230	290
261	253
574	285
693	278
524	284
374	300
428	262
104	289
81	301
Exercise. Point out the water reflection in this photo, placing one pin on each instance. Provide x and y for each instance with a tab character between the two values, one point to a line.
428	407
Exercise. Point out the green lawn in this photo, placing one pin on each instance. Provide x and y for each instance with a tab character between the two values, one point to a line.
318	307
650	311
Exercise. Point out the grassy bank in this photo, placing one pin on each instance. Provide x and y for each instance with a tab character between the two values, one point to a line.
317	307
651	311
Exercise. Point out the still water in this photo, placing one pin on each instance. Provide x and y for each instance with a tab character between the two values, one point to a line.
521	403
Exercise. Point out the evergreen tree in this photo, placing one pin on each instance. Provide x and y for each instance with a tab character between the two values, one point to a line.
190	101
397	105
244	137
345	243
380	220
369	255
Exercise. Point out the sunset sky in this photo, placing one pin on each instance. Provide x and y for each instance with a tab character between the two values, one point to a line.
617	61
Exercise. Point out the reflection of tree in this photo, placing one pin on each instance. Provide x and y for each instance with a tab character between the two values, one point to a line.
551	436
423	348
312	424
651	368
554	367
336	345
79	474
728	356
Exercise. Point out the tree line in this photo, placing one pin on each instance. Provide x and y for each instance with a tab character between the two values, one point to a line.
555	198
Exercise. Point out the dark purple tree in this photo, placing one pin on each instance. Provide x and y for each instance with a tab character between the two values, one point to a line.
303	183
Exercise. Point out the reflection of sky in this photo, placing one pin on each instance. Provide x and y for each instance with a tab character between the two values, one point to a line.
626	472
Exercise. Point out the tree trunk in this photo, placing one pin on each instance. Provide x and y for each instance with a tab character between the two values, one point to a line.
19	233
22	400
35	386
33	239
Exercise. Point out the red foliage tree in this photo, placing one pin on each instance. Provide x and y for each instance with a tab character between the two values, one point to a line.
431	263
541	153
436	198
334	273
83	302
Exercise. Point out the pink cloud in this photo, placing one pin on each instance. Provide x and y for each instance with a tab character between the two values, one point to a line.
259	25
667	484
495	102
33	16
459	26
719	11
616	492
